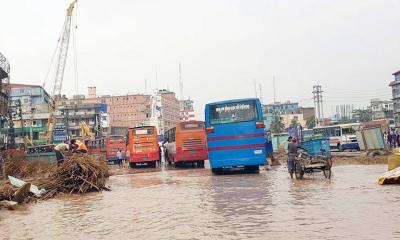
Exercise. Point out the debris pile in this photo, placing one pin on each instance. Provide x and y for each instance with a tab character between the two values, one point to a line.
77	174
80	174
16	164
6	190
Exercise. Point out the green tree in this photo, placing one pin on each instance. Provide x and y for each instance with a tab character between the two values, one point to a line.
294	123
362	115
310	122
276	125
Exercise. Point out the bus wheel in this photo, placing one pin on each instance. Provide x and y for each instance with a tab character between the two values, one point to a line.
216	170
152	164
132	164
252	169
200	164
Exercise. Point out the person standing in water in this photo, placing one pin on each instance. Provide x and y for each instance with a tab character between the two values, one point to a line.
292	154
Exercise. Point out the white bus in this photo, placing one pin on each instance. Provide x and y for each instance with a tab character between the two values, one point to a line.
341	137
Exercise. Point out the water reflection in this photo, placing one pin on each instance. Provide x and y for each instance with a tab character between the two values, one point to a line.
189	203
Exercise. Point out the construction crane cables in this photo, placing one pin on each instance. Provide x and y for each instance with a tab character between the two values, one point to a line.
75	55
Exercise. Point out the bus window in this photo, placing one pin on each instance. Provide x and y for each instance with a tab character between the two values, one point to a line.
337	133
233	112
192	126
144	131
347	131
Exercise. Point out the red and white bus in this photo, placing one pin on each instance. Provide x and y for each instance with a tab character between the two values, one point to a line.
143	146
186	143
96	147
113	143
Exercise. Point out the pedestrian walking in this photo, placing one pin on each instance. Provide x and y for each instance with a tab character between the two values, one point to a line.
397	139
389	139
119	156
393	138
292	155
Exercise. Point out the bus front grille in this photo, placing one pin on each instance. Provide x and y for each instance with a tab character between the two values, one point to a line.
193	142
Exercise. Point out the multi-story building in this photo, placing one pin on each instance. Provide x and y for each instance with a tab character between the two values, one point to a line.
381	109
4	91
70	116
287	111
128	110
396	98
131	110
281	108
4	94
169	109
124	110
186	110
30	107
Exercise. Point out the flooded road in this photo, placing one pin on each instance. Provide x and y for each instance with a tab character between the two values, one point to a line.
194	204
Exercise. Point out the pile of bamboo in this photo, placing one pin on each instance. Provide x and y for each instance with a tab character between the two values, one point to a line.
16	164
79	173
6	190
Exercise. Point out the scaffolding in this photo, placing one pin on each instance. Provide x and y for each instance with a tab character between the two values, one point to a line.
4	97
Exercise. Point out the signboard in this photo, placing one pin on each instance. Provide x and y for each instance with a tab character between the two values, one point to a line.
60	134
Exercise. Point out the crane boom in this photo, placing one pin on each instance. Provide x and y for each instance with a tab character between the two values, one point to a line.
62	54
60	67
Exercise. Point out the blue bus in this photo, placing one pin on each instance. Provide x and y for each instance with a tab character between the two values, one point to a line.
235	134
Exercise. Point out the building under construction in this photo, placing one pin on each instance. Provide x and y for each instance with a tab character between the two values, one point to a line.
4	93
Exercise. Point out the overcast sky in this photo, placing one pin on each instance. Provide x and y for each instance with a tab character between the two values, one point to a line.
349	47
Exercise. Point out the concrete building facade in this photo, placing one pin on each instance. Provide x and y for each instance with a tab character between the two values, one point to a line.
169	109
281	108
396	97
4	89
186	110
287	112
132	110
70	116
30	107
4	94
381	109
124	110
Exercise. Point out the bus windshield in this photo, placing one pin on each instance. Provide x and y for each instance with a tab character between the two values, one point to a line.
233	112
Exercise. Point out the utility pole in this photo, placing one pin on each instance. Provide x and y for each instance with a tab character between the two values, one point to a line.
145	85
180	82
318	105
156	77
255	86
260	88
11	133
273	82
19	107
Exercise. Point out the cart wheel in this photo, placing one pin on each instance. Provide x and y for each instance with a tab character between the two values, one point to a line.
298	170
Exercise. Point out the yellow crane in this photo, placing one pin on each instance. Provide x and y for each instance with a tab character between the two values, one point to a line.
85	131
60	67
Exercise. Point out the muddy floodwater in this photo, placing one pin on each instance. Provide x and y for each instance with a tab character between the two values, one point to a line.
194	204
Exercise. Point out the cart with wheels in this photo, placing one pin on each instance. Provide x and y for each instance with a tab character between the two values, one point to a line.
314	156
